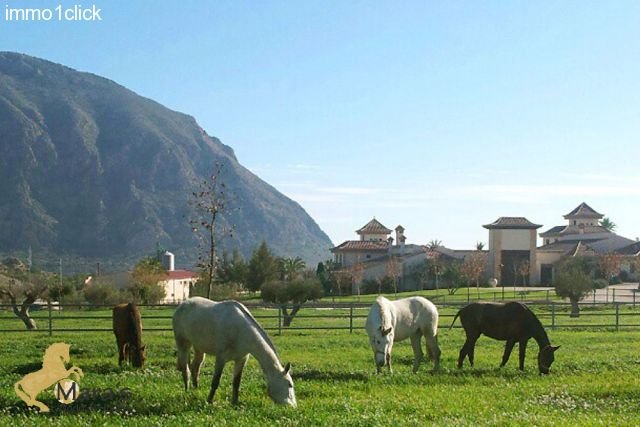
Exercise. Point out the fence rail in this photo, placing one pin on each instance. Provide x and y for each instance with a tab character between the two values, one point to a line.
316	316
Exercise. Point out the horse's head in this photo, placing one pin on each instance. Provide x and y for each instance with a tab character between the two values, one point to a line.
280	387
546	358
137	355
381	343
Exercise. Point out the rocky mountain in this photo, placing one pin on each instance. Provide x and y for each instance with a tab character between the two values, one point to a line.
90	169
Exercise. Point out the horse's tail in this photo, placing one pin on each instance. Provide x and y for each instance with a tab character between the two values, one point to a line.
454	318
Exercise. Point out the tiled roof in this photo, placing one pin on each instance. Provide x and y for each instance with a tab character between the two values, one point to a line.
583	211
569	248
553	231
374	227
181	275
512	222
563	230
633	249
361	245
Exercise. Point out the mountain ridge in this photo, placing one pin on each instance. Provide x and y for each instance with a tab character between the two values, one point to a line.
93	169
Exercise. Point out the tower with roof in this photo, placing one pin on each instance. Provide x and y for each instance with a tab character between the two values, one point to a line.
512	244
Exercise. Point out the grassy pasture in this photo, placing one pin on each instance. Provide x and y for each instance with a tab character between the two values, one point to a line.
595	381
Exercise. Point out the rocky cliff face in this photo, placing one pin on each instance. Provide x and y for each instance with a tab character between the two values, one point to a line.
90	169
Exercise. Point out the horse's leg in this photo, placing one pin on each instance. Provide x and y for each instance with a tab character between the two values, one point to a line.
196	363
120	352
417	350
238	366
472	348
507	351
432	348
183	346
389	364
467	348
522	347
463	353
215	381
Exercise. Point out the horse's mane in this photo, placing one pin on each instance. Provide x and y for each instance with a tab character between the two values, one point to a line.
537	323
136	328
257	326
385	316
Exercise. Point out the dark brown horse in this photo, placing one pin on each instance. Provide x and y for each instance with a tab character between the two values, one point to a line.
511	322
127	326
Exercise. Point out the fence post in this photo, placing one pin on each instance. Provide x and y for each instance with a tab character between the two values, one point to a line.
279	321
614	295
50	319
351	318
617	316
553	315
547	294
634	299
607	294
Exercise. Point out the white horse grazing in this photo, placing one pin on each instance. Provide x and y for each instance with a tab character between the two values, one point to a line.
393	321
227	331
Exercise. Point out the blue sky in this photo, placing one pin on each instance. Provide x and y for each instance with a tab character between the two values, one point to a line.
440	116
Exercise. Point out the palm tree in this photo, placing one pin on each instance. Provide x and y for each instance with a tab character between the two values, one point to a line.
608	224
290	268
433	244
479	246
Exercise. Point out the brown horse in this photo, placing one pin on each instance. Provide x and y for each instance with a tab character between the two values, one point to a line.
511	322
127	326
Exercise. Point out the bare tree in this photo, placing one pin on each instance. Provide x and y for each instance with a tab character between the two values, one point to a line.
523	270
473	268
610	264
356	272
209	201
393	270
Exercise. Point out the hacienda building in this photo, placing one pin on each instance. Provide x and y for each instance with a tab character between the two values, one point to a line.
512	245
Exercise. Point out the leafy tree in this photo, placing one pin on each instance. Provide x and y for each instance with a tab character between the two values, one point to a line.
144	287
452	278
262	268
290	268
573	279
22	288
209	201
101	292
326	278
608	224
291	295
234	270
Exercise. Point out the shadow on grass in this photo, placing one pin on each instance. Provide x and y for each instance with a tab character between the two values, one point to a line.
317	375
27	368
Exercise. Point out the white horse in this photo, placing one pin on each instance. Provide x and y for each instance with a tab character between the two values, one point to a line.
393	321
229	332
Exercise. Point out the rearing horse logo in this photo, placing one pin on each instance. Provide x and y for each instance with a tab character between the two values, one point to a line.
53	372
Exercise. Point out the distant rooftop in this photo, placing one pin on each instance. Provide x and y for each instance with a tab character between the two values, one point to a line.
583	211
374	227
361	245
512	222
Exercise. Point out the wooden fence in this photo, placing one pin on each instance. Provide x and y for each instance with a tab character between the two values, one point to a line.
318	316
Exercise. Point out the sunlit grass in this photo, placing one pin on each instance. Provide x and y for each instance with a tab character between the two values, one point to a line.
593	382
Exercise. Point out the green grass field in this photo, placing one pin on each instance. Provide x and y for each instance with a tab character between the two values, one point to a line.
595	381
